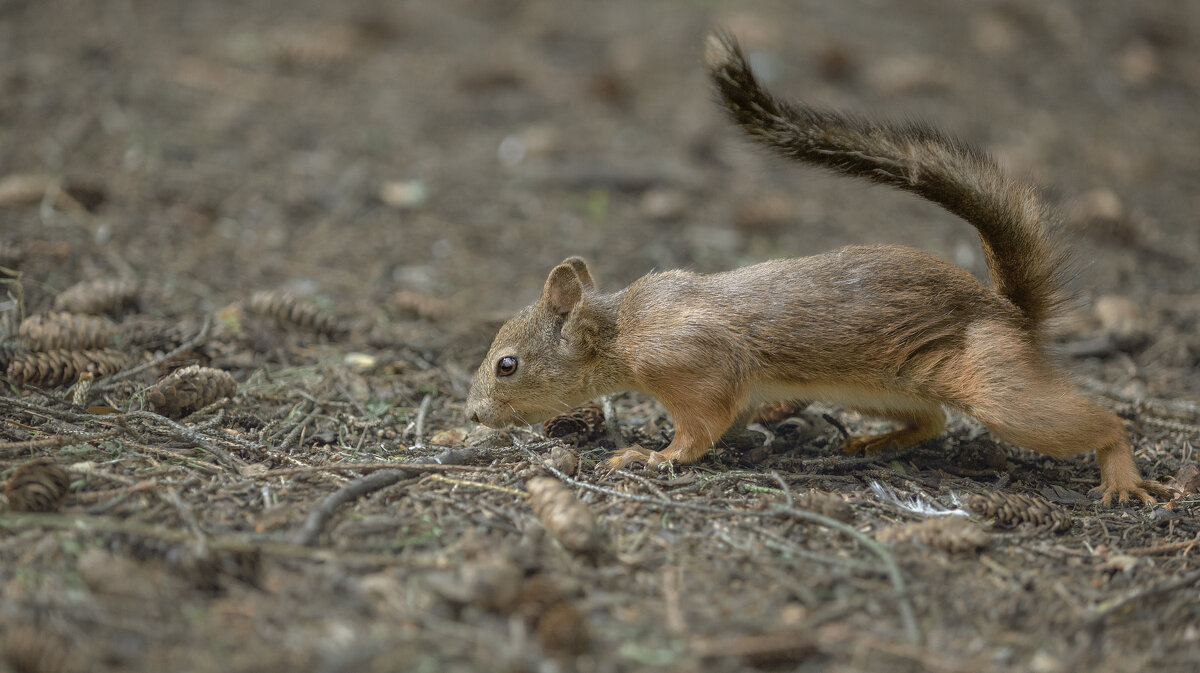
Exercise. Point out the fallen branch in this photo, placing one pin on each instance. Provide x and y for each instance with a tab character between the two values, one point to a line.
315	523
56	441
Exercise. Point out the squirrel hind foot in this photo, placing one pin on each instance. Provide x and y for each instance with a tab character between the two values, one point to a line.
1145	490
917	428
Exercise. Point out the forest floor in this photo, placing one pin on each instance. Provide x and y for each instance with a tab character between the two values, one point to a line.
338	203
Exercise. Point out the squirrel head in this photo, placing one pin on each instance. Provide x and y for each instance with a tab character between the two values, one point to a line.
543	361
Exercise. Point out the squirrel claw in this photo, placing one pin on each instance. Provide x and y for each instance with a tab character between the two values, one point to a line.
867	445
634	455
1142	491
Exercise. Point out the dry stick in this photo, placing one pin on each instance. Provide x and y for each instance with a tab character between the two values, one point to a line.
98	524
55	441
171	455
188	435
371	467
311	530
516	493
1186	545
907	613
40	409
611	423
110	381
1115	605
422	412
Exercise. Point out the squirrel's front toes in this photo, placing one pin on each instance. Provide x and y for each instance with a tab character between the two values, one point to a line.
634	455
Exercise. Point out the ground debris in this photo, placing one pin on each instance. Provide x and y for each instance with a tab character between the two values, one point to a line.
953	534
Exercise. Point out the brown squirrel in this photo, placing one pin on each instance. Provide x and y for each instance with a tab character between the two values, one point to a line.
885	329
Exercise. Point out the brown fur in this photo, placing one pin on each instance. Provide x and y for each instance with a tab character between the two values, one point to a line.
885	329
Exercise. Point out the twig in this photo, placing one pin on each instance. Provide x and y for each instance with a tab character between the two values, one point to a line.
611	424
56	441
837	424
188	435
108	382
422	412
516	493
97	524
371	467
1113	606
313	525
1152	550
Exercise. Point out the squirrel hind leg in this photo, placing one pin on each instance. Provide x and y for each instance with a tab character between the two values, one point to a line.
1023	400
918	425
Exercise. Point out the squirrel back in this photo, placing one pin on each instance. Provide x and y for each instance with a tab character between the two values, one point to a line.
1013	224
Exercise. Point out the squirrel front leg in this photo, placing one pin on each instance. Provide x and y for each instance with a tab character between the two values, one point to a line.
699	421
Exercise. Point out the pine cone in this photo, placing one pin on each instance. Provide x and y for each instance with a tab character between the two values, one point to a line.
98	296
949	533
52	369
189	390
586	421
67	331
37	486
563	514
1013	509
287	310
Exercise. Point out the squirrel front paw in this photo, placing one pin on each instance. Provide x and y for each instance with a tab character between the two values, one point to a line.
634	455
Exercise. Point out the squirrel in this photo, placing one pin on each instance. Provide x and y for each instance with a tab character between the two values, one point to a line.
885	329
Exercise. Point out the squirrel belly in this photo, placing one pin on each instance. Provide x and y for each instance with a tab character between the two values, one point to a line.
884	329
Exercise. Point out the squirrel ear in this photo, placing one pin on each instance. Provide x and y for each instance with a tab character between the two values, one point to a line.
563	290
581	270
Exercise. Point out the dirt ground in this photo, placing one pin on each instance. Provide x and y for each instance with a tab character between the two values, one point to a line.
408	172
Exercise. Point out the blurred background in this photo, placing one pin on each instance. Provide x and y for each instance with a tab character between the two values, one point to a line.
431	161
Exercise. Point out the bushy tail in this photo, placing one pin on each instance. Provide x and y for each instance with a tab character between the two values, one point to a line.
1012	221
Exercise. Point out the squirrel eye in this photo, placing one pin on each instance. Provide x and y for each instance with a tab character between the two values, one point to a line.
506	366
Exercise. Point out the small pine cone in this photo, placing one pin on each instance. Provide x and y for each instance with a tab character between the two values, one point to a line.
586	421
563	514
37	486
562	459
1014	509
189	390
66	331
98	296
949	533
53	369
826	504
287	310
